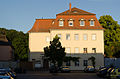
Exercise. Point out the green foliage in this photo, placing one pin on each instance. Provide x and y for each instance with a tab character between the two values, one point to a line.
92	60
55	53
19	41
69	58
111	34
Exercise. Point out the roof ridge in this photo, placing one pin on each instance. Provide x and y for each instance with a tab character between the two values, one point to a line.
78	12
45	19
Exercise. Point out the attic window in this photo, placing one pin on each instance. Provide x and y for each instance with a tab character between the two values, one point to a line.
70	22
61	22
75	12
92	22
53	22
82	22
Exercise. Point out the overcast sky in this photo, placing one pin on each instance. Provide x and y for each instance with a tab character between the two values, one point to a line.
21	14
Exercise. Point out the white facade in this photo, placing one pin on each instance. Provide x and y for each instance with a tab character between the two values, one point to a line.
95	40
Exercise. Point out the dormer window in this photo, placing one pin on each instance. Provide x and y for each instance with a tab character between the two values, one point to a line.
92	22
61	22
82	22
70	21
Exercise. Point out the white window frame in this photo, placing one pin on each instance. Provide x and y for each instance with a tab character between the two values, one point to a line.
61	22
81	23
47	39
76	36
85	36
93	36
76	50
70	21
67	38
59	35
67	50
93	22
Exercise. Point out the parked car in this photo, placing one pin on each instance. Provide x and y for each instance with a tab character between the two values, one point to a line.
114	73
5	75
102	72
65	69
89	69
8	71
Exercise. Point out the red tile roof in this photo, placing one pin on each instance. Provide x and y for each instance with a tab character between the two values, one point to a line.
76	11
44	25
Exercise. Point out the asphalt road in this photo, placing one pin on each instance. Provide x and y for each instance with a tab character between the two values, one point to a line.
40	75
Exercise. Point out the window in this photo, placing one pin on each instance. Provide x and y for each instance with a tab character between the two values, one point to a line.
82	23
85	36
93	36
76	50
59	35
47	39
85	62
85	50
67	36
53	22
67	50
68	63
33	59
71	23
76	37
94	50
77	63
92	23
61	22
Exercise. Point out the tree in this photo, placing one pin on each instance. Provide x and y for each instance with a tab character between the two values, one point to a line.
55	53
19	41
111	34
69	58
92	60
112	29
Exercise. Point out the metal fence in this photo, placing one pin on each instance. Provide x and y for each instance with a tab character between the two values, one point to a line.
7	64
112	61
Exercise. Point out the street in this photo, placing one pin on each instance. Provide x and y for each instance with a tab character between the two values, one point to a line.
46	75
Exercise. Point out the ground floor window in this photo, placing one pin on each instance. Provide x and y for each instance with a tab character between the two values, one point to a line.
85	62
68	63
77	63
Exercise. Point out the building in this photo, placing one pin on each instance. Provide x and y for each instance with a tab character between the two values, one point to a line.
80	33
6	49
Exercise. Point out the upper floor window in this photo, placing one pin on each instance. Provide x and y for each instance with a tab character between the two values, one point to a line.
61	22
47	39
76	50
82	22
67	50
76	37
70	22
85	36
59	35
67	36
94	50
93	36
85	50
91	22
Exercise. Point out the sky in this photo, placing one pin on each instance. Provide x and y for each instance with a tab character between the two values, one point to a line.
21	14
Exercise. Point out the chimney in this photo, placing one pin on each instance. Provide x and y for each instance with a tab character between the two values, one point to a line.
70	7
